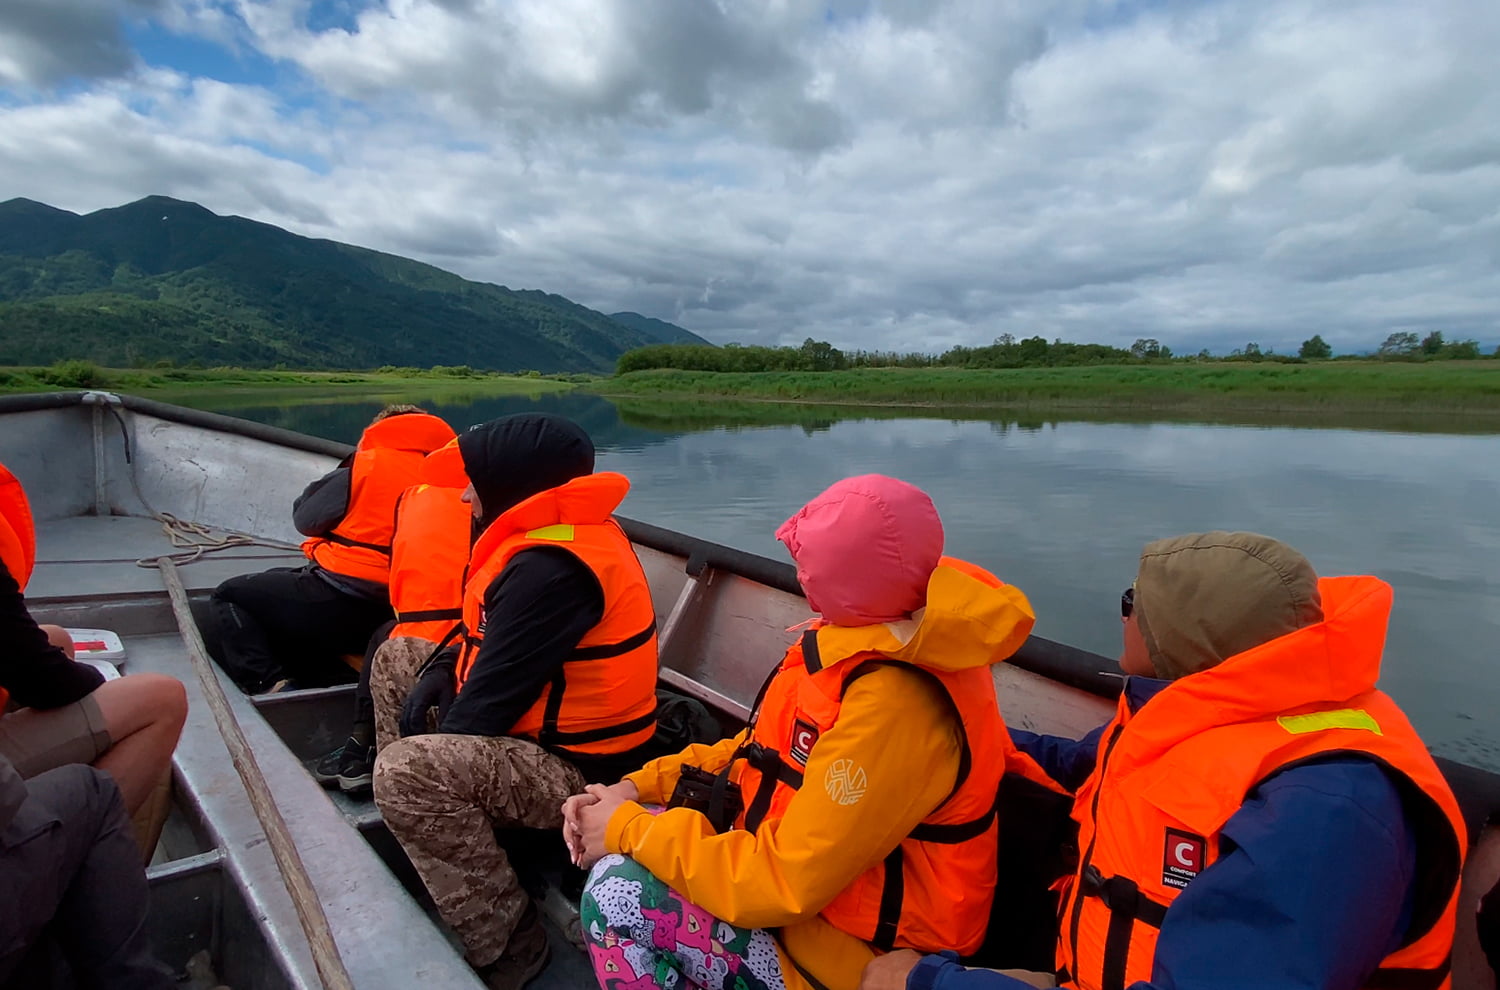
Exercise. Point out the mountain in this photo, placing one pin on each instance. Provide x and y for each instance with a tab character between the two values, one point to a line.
660	331
165	279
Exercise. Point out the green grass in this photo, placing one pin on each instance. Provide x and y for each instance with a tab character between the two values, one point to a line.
167	383
1434	386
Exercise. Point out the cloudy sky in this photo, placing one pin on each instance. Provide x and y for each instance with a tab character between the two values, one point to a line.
908	174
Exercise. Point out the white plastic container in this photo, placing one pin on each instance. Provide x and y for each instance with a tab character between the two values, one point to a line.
109	670
97	644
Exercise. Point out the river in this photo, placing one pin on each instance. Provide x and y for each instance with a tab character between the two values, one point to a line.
1062	509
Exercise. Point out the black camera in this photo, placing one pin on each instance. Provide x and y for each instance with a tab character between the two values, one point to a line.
710	794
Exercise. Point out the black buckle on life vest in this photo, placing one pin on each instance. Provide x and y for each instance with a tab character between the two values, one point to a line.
773	769
1127	905
1122	896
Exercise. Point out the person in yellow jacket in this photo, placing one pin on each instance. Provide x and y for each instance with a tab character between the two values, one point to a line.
866	780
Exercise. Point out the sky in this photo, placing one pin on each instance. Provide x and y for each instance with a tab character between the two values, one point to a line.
905	175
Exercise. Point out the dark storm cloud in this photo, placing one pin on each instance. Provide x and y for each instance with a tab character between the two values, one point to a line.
43	42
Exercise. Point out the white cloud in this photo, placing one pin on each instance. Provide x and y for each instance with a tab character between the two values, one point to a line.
899	175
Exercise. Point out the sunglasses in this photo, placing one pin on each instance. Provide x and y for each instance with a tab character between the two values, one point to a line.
1127	602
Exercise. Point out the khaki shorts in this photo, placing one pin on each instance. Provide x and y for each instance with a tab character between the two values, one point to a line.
37	741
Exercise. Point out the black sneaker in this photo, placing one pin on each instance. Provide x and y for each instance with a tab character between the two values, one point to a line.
326	770
356	767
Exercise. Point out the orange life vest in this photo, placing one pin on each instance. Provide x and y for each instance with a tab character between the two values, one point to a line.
934	890
428	557
1172	774
386	463
17	533
17	538
604	698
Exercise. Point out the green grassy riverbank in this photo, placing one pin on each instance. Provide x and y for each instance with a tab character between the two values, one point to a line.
168	384
1454	387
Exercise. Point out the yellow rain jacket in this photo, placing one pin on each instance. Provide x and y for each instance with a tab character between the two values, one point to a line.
886	733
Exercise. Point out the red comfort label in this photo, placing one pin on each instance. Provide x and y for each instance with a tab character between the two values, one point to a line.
1182	858
804	734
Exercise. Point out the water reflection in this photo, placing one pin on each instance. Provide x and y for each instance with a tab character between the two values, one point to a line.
1063	508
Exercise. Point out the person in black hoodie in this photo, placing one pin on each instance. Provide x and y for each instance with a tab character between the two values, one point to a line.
551	686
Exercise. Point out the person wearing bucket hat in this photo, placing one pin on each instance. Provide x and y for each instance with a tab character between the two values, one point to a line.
863	790
1257	813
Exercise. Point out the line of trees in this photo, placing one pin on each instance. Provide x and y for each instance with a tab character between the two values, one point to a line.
1008	352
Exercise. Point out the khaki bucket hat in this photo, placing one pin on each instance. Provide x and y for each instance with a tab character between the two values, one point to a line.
1205	597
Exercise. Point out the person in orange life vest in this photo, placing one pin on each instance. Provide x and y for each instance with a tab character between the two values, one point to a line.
553	685
295	624
55	711
1257	813
867	777
430	549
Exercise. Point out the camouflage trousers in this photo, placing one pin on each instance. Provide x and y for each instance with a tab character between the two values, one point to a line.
443	796
392	676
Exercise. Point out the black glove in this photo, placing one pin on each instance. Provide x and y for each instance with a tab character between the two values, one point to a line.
434	689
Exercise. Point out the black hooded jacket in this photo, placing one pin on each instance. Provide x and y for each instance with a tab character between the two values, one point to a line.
546	599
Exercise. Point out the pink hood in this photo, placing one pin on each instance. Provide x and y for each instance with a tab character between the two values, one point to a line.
865	549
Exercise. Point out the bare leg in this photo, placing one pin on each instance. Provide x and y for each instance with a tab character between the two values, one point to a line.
58	637
144	714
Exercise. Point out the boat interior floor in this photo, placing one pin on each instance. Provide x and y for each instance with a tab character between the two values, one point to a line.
215	884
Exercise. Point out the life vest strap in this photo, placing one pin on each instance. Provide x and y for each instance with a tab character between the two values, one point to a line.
1397	978
956	832
1122	896
606	650
430	615
560	738
341	540
892	895
773	770
1127	905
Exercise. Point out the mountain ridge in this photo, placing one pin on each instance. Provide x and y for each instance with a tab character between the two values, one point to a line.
166	279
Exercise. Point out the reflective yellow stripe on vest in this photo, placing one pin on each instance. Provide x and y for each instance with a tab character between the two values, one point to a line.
1342	718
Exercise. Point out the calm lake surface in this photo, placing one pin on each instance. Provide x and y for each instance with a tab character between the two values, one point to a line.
1062	509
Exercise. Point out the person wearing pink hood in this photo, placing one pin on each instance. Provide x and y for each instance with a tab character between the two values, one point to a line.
855	813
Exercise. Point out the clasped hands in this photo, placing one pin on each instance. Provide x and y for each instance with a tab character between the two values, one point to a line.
586	818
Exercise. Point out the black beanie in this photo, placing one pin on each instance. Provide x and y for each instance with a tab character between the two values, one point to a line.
512	458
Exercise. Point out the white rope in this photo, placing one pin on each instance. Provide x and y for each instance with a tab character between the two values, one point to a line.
198	539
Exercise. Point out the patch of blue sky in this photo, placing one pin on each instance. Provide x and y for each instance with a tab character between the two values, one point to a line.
335	15
200	57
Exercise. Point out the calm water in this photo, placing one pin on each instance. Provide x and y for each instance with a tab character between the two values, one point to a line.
1062	510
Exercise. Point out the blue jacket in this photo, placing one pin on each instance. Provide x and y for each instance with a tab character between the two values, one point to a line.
1312	889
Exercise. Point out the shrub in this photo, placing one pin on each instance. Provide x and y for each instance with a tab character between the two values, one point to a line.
74	374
